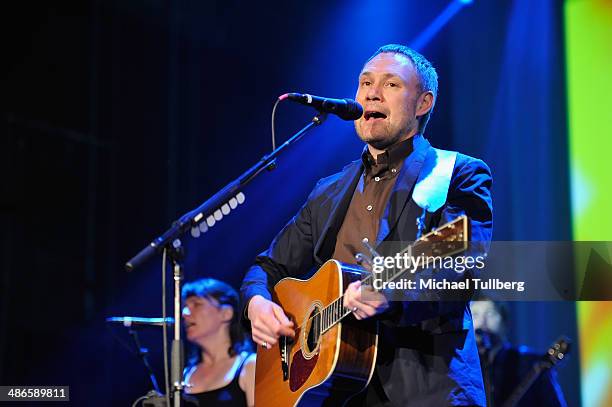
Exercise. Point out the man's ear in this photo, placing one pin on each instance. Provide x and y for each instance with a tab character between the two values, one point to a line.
424	104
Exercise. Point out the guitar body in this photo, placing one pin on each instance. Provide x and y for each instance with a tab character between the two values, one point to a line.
320	368
333	355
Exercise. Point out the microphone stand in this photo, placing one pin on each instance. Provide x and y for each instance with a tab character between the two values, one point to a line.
170	241
176	254
143	354
213	204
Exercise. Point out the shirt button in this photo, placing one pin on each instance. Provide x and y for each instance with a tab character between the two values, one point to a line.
369	207
393	170
376	179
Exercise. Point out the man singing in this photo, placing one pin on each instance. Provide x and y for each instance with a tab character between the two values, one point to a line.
427	354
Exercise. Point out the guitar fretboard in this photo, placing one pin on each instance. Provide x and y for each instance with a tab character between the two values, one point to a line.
447	240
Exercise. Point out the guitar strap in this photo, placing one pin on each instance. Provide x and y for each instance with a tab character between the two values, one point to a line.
431	188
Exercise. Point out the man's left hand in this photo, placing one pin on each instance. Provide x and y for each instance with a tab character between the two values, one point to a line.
365	302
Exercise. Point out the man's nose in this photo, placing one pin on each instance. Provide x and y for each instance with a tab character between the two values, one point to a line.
186	311
374	93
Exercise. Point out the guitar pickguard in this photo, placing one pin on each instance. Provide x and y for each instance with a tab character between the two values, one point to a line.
300	370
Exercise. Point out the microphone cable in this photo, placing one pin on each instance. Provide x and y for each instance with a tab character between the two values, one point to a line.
278	100
165	327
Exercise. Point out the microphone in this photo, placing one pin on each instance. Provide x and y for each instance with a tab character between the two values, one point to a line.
346	109
139	322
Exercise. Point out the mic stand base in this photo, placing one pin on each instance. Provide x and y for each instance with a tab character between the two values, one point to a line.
154	399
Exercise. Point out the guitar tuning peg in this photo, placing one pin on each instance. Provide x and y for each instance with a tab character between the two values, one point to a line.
366	243
363	260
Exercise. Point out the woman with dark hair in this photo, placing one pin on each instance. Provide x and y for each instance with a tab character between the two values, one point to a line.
221	369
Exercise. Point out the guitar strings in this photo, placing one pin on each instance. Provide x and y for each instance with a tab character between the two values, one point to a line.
423	239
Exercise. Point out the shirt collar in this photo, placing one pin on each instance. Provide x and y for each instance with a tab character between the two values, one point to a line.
392	157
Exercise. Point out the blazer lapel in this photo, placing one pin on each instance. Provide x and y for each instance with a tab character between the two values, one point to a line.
342	194
400	195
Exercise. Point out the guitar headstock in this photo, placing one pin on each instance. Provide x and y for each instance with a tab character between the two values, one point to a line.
449	239
558	350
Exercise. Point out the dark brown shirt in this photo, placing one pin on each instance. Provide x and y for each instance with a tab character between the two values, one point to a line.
369	200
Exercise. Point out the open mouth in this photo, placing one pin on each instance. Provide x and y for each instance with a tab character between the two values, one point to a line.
373	114
189	324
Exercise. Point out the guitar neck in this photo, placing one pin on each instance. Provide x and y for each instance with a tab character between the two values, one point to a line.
449	239
526	383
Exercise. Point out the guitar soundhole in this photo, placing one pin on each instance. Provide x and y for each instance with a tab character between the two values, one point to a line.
312	331
305	359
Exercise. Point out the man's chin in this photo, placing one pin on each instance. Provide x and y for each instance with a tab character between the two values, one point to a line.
379	143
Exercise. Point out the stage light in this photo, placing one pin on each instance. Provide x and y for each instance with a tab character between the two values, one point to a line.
438	23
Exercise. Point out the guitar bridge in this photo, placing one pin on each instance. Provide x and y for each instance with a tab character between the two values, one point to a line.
284	347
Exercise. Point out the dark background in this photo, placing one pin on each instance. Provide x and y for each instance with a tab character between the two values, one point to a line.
118	116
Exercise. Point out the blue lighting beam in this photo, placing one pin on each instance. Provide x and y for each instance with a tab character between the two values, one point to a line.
438	23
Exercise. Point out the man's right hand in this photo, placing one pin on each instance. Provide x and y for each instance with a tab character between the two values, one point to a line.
268	321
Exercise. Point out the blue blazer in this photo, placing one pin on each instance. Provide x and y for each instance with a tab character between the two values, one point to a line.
427	350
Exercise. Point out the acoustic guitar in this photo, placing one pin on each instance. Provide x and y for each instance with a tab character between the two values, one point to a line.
332	356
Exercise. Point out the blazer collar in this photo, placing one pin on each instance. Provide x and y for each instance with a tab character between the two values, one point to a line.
342	193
